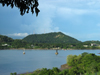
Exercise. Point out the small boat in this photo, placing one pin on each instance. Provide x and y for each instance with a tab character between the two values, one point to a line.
24	51
56	52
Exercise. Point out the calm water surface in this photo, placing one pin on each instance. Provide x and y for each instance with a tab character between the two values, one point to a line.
16	61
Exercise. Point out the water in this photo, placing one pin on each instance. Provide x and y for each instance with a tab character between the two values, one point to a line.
16	61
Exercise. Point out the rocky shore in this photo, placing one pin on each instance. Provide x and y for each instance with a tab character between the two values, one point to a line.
65	66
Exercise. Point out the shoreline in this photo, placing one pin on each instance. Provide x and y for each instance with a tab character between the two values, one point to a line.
46	49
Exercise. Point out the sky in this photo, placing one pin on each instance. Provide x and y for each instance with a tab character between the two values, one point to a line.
77	18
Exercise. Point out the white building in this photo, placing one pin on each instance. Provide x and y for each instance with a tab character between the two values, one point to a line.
5	45
85	45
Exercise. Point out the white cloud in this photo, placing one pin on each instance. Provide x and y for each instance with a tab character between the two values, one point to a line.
44	22
70	12
87	37
91	3
42	25
18	34
51	9
70	8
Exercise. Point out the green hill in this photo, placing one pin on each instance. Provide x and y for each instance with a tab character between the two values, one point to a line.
5	39
54	37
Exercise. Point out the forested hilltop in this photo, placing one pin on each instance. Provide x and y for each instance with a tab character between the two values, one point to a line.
55	40
54	37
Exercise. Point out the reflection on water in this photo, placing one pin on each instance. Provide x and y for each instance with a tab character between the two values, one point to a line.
16	61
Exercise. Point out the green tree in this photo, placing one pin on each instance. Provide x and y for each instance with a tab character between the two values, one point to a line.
74	71
71	60
92	68
23	5
55	70
64	72
83	54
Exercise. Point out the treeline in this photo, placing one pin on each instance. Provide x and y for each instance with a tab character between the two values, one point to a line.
65	46
83	64
15	44
23	44
8	43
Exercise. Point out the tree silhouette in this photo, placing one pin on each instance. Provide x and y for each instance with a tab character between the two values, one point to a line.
23	5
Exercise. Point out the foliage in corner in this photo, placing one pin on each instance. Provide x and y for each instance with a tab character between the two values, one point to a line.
23	5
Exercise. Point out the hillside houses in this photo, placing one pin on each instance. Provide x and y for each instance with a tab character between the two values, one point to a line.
5	44
91	45
94	44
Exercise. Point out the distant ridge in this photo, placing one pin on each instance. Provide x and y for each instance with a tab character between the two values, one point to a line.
5	39
54	37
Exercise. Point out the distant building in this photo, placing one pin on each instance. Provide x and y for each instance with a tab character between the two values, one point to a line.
94	44
85	45
91	44
5	45
71	45
98	45
32	45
